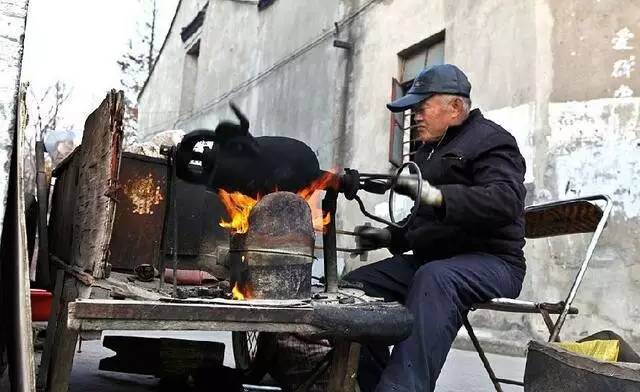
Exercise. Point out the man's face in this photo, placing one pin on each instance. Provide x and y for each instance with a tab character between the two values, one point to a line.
433	116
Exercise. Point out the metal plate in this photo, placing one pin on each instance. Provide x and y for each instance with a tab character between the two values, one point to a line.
199	214
139	219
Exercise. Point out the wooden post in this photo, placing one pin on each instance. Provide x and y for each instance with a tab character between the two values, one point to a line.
344	367
43	275
45	359
65	339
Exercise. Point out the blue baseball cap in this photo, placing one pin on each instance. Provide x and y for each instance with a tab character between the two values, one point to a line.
436	79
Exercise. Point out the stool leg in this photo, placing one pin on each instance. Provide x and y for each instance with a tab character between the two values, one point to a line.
483	357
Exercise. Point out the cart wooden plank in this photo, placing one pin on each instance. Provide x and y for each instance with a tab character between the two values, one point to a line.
384	322
97	169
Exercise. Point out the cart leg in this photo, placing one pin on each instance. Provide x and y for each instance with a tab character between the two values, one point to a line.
65	339
45	359
343	370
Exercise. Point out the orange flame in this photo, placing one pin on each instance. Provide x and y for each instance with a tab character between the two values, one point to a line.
239	206
237	294
241	293
312	197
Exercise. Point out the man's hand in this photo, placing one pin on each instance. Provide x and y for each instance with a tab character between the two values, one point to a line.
369	238
409	186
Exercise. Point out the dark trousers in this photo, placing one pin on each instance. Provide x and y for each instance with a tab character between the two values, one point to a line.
438	294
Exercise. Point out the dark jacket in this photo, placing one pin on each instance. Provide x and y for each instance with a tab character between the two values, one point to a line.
480	172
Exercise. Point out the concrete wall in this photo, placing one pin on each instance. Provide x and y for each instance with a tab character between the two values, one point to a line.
550	72
592	145
265	63
162	93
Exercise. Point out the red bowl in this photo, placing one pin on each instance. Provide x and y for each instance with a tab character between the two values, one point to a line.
40	304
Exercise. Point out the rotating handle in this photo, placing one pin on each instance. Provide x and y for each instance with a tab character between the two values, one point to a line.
374	183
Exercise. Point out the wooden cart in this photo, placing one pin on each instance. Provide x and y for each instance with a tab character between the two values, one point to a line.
82	235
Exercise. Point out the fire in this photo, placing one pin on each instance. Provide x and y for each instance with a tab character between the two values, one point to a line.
312	196
243	291
239	294
239	206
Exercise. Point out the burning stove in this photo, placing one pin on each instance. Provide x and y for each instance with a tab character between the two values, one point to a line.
273	259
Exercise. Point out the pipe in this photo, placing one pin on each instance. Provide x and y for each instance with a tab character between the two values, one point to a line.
329	204
188	277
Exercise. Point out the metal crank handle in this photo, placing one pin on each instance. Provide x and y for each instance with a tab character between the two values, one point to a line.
350	250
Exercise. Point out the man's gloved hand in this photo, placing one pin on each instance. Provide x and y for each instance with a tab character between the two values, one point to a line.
408	186
369	238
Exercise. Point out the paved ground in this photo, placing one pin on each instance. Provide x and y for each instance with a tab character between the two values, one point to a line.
462	373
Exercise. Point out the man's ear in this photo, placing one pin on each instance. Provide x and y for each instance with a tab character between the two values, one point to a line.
458	106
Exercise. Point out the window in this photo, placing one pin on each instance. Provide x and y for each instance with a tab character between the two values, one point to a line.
190	35
262	4
194	27
189	78
402	139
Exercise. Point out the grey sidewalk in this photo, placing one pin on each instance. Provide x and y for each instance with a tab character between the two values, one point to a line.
463	371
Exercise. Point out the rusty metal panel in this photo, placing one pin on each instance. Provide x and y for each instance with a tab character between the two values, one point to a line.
139	219
141	216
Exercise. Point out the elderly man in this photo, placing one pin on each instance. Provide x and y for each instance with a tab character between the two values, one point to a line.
466	239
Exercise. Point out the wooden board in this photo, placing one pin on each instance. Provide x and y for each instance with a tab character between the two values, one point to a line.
63	204
99	161
94	309
90	193
382	322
